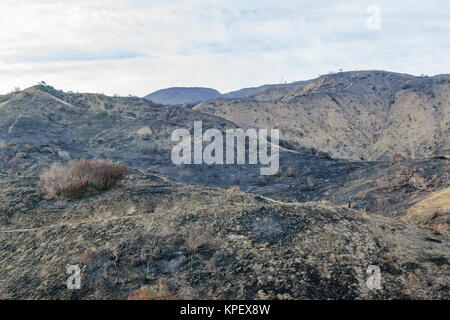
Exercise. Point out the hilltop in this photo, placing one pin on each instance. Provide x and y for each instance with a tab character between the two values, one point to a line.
182	95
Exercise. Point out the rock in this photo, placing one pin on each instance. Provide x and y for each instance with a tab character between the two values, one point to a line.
64	155
21	155
45	150
176	262
30	148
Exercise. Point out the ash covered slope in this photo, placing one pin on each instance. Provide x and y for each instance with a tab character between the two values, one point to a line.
370	115
209	244
42	125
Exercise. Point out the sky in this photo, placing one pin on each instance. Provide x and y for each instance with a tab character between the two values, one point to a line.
137	46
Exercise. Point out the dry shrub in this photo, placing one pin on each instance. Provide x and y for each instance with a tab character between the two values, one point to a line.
81	177
234	189
87	255
440	228
155	292
199	237
419	182
75	190
290	172
54	179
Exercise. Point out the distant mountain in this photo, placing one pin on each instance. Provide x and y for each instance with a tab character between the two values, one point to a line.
191	96
182	95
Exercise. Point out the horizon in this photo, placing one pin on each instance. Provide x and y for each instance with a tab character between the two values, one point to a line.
137	47
195	87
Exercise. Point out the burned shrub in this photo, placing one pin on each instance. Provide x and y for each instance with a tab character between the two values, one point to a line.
78	178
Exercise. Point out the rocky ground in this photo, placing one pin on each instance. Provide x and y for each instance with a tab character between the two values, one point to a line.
208	243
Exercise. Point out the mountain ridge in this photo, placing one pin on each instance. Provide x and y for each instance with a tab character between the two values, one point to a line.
352	115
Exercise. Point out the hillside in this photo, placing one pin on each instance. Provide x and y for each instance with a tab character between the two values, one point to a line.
320	221
42	125
364	115
209	244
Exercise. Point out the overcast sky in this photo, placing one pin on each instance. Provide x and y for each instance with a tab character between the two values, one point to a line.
138	46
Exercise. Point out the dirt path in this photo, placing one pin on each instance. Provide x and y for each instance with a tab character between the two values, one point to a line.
74	223
116	218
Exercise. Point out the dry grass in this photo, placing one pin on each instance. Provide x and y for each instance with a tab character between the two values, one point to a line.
433	210
439	228
87	256
155	292
198	239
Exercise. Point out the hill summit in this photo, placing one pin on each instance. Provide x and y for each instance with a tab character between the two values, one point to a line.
182	95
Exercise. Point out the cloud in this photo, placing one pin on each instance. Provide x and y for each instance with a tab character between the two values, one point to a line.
138	46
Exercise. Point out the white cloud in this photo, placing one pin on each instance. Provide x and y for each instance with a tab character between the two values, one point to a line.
117	46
